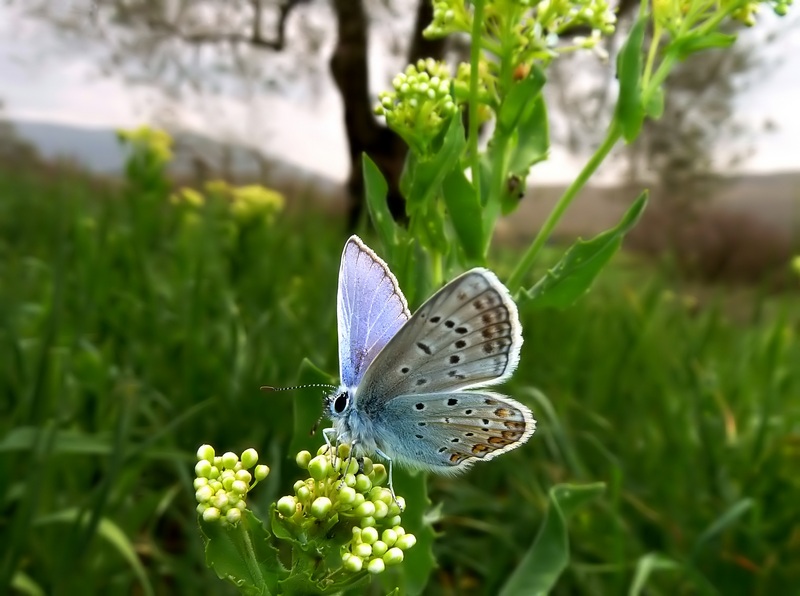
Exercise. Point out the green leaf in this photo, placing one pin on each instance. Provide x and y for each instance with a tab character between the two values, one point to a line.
24	438
547	558
24	584
722	523
655	104
307	409
111	533
685	46
465	213
574	273
423	177
376	190
646	566
519	102
629	111
243	555
532	139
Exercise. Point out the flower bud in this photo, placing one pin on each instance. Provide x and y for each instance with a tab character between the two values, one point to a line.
201	508
303	494
347	495
376	566
358	500
319	467
367	522
302	459
366	465
379	474
244	476
343	450
211	514
220	500
381	509
379	548
205	452
393	522
393	556
363	483
249	458
320	507
213	472
261	472
353	564
369	535
362	550
367	508
229	460
323	450
233	515
389	536
203	494
239	487
350	466
287	506
202	469
399	530
405	542
349	480
227	481
198	482
398	506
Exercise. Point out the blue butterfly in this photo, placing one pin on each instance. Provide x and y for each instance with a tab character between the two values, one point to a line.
409	384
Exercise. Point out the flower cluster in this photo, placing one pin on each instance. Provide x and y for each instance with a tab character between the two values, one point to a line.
343	490
152	141
222	483
251	203
421	103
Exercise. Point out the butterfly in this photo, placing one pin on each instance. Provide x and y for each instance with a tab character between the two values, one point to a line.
411	387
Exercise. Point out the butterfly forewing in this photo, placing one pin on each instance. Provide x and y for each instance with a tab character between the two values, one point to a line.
466	335
450	431
370	309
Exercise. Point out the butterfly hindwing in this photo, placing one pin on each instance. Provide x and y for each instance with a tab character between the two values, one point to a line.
466	335
370	309
447	432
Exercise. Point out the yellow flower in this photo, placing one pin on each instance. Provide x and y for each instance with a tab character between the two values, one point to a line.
255	201
189	197
218	188
156	141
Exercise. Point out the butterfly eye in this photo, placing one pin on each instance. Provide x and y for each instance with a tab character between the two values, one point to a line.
341	402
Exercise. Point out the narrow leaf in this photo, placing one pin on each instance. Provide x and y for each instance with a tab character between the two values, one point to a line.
630	112
646	566
376	190
519	102
583	261
686	46
24	584
465	213
532	139
547	558
722	523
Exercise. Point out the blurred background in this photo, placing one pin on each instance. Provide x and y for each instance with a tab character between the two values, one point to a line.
135	326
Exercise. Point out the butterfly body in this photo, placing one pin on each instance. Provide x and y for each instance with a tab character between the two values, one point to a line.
412	386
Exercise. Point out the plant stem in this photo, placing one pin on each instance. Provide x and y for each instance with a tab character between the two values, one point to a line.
474	63
526	262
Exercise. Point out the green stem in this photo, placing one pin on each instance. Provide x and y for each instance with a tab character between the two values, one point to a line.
474	64
651	55
526	262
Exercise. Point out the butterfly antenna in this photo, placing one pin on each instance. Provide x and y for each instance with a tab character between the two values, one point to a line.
270	388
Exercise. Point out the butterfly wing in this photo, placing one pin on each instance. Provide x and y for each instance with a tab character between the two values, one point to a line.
466	335
370	309
448	432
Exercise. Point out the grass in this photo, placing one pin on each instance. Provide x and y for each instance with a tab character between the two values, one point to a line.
130	334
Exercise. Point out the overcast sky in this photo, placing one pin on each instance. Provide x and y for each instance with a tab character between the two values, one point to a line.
44	79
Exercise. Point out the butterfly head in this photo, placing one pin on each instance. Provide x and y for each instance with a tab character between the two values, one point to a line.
338	403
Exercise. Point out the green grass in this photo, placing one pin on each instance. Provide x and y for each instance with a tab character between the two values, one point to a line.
129	337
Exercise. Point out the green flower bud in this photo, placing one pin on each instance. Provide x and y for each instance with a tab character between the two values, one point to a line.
201	508
381	494
363	483
229	460
381	509
379	548
398	506
359	499
205	452
367	522
227	481
347	495
393	556
233	516
244	476
366	465
239	487
203	494
323	450
399	530
319	467
241	505
211	514
320	507
349	466
202	469
362	550
249	458
302	459
356	534
296	486
287	506
213	472
218	461
389	536
369	535
376	566
353	564
261	472
379	474
349	480
198	482
394	521
216	486
406	541
303	494
220	500
366	509
343	451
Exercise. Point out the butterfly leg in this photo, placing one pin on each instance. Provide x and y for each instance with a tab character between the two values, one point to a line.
391	486
327	433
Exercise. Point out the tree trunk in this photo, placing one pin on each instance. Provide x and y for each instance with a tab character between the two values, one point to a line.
350	71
